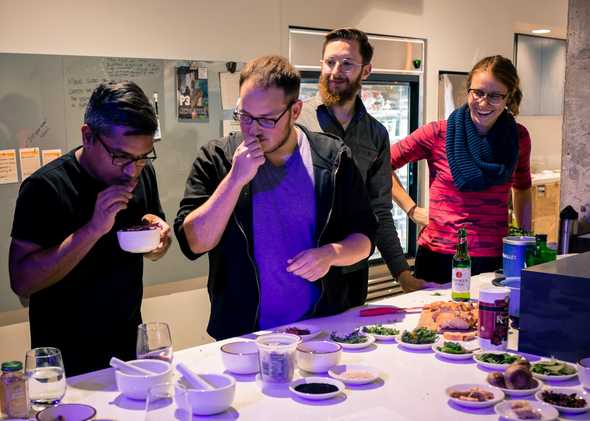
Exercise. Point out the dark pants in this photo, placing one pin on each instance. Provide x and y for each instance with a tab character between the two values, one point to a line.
436	267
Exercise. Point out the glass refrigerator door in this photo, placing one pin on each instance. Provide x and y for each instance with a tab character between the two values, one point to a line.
388	102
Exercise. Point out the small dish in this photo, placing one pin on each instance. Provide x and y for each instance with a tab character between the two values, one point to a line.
354	374
67	411
465	356
498	395
547	412
295	329
361	345
567	391
556	378
317	380
493	366
380	336
520	392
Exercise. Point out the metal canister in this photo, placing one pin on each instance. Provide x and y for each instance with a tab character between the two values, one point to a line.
568	221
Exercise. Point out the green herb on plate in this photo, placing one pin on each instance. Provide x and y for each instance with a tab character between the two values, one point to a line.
452	348
354	337
421	335
553	368
381	330
503	358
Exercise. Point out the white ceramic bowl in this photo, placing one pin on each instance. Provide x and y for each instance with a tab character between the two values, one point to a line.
208	402
240	357
141	241
136	386
318	356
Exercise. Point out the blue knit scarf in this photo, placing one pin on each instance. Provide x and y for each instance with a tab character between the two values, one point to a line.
477	162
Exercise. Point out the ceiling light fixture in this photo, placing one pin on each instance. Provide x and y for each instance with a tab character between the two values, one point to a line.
541	31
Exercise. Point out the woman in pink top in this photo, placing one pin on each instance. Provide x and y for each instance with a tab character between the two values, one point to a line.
476	158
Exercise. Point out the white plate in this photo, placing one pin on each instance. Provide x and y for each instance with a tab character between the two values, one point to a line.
498	395
322	396
450	356
558	378
499	367
520	392
567	390
548	413
382	337
407	345
313	330
337	371
369	341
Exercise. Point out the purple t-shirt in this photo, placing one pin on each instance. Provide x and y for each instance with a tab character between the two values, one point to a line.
284	213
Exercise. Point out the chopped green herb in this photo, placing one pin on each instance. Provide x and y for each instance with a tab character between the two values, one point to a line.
492	358
553	368
421	335
452	348
354	337
381	330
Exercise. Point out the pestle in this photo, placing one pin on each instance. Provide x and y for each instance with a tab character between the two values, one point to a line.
129	368
192	378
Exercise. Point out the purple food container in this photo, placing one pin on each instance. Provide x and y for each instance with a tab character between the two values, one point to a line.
514	254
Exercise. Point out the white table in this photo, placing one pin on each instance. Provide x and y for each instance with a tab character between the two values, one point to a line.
412	385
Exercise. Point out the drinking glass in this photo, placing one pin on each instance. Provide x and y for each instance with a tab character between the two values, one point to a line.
154	341
162	404
46	378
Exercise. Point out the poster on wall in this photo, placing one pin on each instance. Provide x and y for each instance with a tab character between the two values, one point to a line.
192	93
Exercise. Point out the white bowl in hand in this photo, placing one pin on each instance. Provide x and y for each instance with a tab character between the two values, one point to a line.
136	386
207	402
139	239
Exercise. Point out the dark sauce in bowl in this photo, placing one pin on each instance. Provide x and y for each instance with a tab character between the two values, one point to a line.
316	388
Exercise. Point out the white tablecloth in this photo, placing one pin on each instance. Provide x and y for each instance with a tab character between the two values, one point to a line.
412	384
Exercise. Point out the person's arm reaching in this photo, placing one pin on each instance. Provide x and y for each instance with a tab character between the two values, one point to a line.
205	225
33	268
401	197
522	204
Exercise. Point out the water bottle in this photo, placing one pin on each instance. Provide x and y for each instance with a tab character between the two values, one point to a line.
568	219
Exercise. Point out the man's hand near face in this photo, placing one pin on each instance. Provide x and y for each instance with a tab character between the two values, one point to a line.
109	203
165	238
247	158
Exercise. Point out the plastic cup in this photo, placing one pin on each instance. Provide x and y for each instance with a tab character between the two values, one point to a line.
514	254
276	352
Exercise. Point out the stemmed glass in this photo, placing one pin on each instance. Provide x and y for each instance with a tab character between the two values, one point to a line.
46	377
154	341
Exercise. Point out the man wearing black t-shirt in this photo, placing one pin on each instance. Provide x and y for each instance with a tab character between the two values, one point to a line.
85	292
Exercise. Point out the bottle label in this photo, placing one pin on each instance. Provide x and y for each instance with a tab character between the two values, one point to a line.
461	279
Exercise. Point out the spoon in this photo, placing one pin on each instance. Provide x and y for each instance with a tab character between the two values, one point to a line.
129	368
193	378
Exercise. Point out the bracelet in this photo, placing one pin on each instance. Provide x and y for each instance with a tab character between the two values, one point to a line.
410	211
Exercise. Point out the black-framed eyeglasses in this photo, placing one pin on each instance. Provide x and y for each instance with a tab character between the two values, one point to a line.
266	122
494	98
346	65
121	160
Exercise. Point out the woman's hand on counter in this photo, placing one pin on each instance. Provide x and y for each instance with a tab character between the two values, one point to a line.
409	283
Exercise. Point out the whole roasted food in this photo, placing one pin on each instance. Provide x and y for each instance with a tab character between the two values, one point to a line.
449	315
519	376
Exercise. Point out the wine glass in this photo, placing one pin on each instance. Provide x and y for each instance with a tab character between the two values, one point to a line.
162	404
154	341
46	377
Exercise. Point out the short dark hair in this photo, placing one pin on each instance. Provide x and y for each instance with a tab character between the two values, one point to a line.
351	34
120	104
505	72
273	71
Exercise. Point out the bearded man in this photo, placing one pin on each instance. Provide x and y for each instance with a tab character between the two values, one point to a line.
339	110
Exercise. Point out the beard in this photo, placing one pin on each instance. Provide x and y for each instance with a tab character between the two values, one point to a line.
332	97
